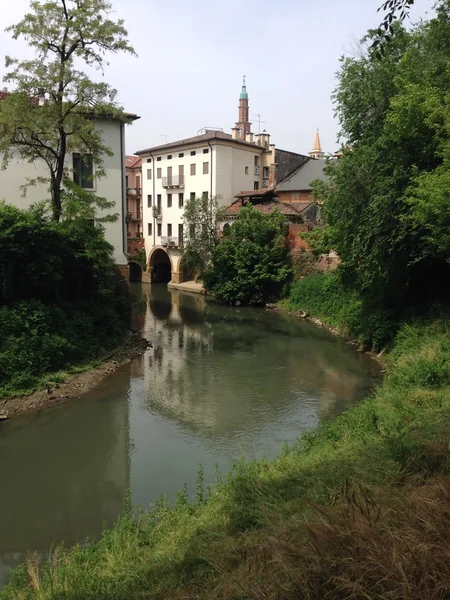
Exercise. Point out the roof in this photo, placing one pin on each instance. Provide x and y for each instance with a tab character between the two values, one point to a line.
88	112
316	146
260	193
133	162
301	178
198	139
264	207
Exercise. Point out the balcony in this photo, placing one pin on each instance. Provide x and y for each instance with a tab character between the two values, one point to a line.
134	191
169	241
133	216
173	182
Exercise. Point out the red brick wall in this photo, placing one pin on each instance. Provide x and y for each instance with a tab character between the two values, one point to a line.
295	196
134	245
295	241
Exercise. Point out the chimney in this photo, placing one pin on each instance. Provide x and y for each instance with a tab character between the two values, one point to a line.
235	133
265	139
249	137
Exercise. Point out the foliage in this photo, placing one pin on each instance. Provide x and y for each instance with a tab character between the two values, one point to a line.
251	265
326	296
386	207
63	34
141	258
61	298
201	233
358	508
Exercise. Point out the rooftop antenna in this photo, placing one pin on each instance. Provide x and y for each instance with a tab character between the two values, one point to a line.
259	122
164	135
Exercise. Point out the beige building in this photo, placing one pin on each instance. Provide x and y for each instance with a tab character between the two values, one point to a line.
111	187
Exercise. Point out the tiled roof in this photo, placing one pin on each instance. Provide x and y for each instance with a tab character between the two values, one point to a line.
198	139
256	193
301	179
133	162
263	207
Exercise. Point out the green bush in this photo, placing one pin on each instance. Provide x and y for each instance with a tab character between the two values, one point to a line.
251	265
61	297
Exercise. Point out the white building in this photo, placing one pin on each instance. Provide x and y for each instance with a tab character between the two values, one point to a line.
111	187
212	163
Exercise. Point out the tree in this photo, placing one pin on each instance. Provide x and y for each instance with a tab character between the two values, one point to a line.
201	233
386	205
251	264
52	109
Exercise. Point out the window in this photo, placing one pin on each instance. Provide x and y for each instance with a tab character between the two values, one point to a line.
246	170
169	200
180	234
138	182
256	160
181	155
158	202
149	200
180	200
159	230
205	150
265	172
192	230
169	157
158	158
193	153
169	229
205	196
158	173
83	170
256	185
192	196
149	160
205	168
193	169
149	229
149	173
226	229
126	181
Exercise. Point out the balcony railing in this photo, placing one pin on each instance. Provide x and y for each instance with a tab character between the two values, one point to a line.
134	191
133	216
173	181
169	241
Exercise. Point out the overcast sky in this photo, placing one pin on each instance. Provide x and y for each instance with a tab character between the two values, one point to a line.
192	55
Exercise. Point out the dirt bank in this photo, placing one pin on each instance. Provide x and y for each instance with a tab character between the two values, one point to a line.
74	384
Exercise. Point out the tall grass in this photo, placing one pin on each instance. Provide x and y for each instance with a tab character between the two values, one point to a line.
357	509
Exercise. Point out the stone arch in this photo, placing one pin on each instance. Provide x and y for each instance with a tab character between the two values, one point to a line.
160	266
186	273
135	271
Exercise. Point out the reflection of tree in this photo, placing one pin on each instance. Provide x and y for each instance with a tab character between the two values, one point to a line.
67	472
222	371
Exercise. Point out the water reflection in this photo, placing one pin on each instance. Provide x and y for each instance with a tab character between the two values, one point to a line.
217	384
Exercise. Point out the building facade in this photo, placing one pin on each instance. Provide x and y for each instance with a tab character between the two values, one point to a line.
112	187
213	164
133	217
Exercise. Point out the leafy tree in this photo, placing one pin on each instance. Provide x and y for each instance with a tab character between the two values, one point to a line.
251	264
64	34
386	207
201	233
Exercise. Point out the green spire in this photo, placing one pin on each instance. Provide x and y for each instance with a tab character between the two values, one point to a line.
244	95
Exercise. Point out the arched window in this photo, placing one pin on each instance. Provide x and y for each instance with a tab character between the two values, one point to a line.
226	229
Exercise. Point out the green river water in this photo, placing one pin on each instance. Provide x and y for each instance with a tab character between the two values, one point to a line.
219	383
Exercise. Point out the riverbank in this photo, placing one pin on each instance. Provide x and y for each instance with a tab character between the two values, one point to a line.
337	514
71	383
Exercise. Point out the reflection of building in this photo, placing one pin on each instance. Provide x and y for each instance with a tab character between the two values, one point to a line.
227	372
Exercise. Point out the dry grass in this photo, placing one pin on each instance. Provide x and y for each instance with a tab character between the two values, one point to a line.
387	544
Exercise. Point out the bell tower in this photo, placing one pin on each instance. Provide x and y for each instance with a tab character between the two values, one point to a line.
243	125
317	152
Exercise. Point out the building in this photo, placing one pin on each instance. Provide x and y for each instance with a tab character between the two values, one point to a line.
316	151
212	163
111	187
133	218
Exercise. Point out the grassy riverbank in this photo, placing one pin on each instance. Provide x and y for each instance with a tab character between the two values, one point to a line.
358	508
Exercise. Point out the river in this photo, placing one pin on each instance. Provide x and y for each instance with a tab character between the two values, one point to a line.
219	384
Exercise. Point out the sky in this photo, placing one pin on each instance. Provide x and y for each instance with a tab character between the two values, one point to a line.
192	56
